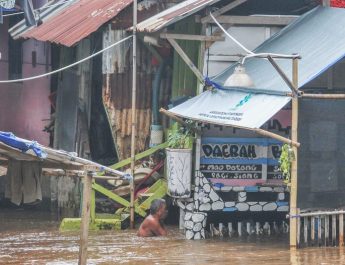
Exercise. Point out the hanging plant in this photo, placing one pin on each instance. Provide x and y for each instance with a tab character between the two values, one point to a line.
285	163
180	137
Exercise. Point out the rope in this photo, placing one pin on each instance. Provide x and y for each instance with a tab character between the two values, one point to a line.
66	67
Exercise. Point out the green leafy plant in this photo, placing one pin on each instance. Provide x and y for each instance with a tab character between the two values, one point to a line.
285	162
180	137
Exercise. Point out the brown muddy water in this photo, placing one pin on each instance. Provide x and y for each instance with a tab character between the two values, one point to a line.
33	238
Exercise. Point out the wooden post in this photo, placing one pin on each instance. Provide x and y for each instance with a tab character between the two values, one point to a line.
319	236
312	230
305	230
230	229
326	230
294	137
85	219
341	230
134	111
334	229
298	229
93	205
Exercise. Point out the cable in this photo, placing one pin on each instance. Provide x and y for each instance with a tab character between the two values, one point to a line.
66	67
250	53
231	37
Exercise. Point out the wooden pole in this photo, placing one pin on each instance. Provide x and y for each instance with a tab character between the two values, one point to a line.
341	230
134	118
85	219
290	84
294	163
323	96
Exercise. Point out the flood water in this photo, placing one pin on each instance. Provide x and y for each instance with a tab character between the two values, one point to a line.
32	238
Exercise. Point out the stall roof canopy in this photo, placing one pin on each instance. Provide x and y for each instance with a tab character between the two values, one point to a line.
15	148
232	108
173	14
71	21
318	37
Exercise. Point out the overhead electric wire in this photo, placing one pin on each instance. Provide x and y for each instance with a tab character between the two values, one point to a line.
250	53
65	67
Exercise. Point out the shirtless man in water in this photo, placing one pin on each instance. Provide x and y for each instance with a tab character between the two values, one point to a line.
153	224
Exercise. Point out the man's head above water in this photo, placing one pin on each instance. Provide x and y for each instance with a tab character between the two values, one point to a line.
158	208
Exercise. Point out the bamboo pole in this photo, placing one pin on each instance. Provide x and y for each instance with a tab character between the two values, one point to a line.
85	219
134	90
341	230
290	84
294	137
323	96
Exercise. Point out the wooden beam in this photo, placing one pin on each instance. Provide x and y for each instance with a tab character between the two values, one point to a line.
174	117
191	37
323	96
85	220
117	198
283	76
139	156
294	137
186	59
256	20
222	10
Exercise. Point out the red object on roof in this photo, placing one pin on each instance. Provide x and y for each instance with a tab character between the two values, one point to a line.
76	21
338	3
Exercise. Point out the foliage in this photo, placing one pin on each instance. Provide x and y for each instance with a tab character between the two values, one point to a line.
180	137
285	162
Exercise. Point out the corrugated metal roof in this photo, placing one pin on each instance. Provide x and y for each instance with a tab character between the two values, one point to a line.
318	37
70	24
173	14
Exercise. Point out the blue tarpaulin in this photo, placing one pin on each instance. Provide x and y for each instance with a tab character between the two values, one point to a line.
23	145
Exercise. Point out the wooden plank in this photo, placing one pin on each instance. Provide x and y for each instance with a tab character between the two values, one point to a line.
312	230
222	10
85	220
326	230
139	156
93	205
116	198
294	137
319	236
186	59
334	229
298	230
341	230
305	230
256	20
191	37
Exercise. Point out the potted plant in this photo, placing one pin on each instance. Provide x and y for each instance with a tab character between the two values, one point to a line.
179	161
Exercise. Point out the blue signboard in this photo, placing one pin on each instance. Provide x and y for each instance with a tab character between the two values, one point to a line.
240	158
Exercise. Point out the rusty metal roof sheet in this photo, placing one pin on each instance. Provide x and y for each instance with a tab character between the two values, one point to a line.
73	22
173	14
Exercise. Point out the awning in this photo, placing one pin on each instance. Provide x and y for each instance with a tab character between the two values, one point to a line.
318	37
173	15
68	22
232	108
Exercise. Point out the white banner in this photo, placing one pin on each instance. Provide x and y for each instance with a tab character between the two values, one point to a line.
232	108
